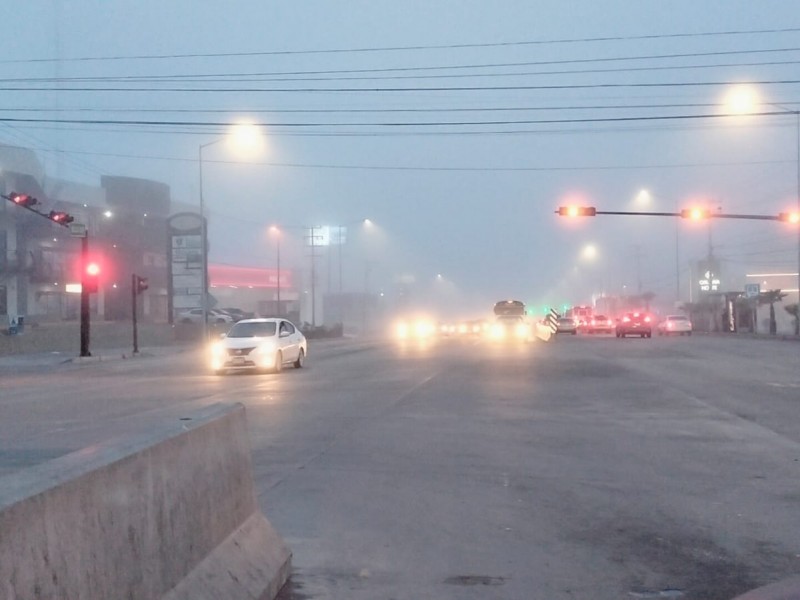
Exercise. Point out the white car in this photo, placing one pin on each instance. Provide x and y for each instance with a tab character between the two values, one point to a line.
675	325
195	315
261	345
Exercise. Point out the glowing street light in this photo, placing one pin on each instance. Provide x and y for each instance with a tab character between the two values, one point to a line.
241	139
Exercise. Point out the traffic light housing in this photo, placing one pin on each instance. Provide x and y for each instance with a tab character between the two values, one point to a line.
789	217
141	284
91	277
577	211
22	199
61	218
695	214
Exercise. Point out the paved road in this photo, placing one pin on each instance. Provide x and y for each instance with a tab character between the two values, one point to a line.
584	468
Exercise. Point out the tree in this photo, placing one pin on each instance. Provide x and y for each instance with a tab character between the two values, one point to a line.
771	297
792	309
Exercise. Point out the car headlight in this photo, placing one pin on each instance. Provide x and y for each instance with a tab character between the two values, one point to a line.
521	331
498	331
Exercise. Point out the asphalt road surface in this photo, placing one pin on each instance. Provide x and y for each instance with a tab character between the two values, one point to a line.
588	467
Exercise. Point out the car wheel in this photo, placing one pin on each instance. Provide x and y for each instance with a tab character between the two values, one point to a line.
301	359
649	335
574	333
278	366
688	333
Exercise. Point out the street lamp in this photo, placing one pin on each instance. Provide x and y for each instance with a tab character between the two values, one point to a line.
244	137
742	100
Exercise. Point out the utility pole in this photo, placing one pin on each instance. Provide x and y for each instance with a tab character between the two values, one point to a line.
85	326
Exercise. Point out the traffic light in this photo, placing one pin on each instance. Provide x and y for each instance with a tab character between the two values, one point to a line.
789	217
141	284
91	276
61	218
577	211
695	214
23	199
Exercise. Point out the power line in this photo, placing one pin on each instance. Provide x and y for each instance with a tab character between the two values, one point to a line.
680	35
445	169
416	89
234	76
390	123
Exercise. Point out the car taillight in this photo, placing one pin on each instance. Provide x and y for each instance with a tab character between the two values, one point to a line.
669	325
647	319
626	320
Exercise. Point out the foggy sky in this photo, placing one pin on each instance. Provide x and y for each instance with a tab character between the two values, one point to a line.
470	202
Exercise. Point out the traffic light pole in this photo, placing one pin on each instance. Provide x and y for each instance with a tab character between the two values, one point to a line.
84	296
134	293
677	214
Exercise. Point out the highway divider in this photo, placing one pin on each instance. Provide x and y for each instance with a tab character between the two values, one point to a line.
169	515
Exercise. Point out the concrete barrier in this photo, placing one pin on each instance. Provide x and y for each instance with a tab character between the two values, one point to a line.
788	589
172	515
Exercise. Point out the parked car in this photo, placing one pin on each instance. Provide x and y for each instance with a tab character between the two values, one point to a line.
195	315
675	325
635	324
567	325
260	345
237	314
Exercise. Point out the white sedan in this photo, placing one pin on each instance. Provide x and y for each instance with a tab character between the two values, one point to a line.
675	325
260	345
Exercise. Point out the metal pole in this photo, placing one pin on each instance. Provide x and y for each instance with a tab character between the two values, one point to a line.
797	320
279	312
677	260
133	310
340	265
85	296
204	253
313	282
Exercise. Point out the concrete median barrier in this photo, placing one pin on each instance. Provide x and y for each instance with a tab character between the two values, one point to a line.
171	515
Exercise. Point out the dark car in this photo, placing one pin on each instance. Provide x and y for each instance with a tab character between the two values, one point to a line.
635	323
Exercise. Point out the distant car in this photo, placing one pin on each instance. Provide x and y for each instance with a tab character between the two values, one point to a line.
635	323
510	327
195	315
261	345
567	325
601	324
675	325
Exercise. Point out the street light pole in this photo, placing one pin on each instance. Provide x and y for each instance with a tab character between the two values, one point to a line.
278	248
204	244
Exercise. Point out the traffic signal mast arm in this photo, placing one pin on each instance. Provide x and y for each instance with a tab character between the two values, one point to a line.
27	202
693	214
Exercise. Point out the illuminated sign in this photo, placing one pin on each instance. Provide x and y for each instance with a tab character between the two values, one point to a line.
709	283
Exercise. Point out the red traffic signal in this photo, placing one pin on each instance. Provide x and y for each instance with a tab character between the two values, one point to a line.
141	284
577	211
61	218
695	214
789	217
23	199
91	276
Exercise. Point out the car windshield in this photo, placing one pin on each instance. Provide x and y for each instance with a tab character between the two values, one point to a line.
247	330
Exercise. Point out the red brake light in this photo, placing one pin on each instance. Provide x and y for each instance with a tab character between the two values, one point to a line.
647	319
626	320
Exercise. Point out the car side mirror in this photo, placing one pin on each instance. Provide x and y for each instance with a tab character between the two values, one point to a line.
285	334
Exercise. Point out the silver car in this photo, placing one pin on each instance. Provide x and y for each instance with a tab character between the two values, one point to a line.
260	345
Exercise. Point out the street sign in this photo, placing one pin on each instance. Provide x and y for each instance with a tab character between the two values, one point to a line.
752	290
77	230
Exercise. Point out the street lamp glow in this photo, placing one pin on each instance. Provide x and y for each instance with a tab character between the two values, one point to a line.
368	223
589	252
742	100
245	140
643	197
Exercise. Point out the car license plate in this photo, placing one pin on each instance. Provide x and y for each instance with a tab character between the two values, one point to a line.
238	360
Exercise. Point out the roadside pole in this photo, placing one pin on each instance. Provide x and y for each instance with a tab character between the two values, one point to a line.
133	308
85	296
